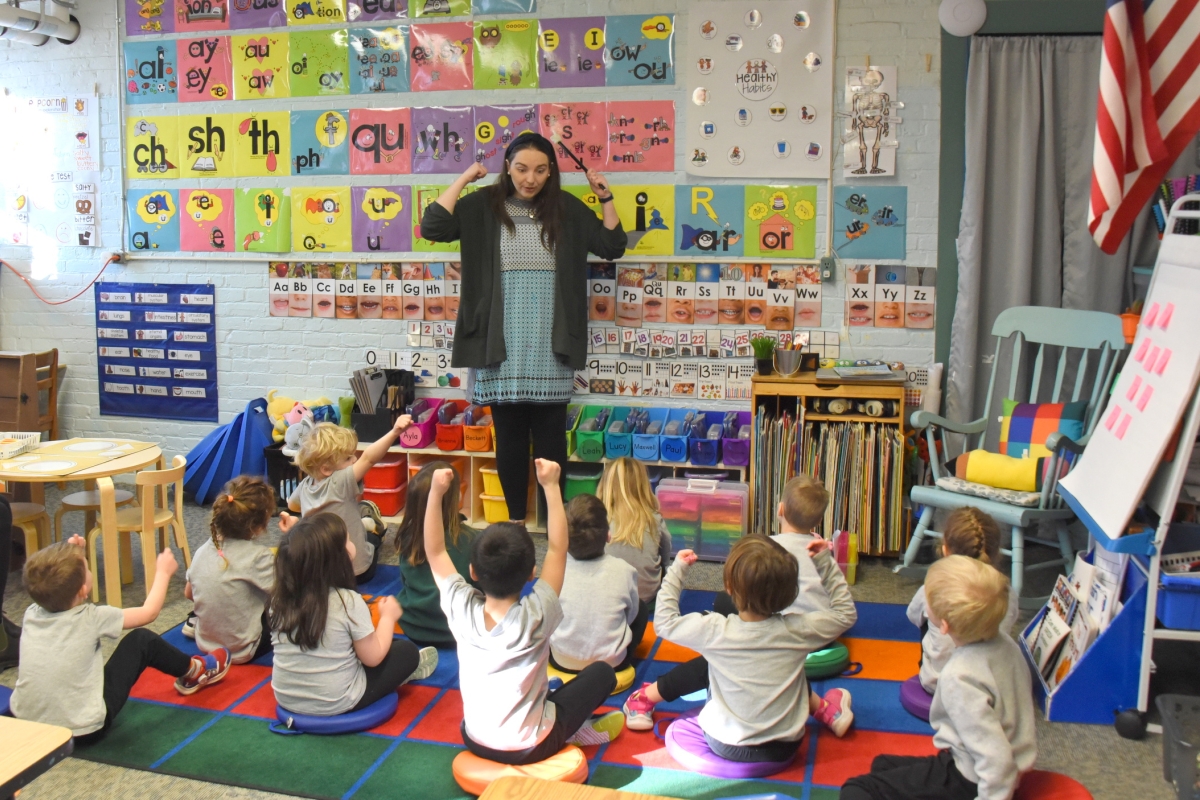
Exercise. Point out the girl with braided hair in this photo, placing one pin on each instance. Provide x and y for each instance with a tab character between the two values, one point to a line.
972	533
232	574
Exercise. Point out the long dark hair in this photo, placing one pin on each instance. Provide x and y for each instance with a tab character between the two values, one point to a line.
411	538
312	559
547	207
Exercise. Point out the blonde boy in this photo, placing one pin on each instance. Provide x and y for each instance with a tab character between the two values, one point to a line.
982	711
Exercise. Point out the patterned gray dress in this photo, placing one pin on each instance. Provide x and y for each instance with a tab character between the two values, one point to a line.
531	373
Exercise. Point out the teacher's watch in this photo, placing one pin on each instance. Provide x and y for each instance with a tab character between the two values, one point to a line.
605	199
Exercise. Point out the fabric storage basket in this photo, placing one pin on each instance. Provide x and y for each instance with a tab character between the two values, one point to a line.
674	448
450	437
422	434
589	445
645	445
736	452
478	438
617	445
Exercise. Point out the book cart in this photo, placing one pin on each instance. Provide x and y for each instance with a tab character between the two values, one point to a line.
1111	681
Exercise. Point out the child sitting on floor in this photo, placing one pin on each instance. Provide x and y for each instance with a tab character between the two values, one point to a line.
424	621
329	658
504	639
969	532
333	482
63	679
637	533
602	616
232	575
752	663
982	711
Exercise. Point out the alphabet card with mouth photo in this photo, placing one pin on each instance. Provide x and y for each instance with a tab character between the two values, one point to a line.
205	69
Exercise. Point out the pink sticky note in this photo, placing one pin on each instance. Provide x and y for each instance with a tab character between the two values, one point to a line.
1162	361
1165	319
1147	393
1124	426
1133	388
1141	351
1151	359
1149	317
1113	416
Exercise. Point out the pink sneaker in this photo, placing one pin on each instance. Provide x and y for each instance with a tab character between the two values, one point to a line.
639	711
835	712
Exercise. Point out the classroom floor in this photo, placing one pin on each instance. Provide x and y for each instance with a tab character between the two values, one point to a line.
215	734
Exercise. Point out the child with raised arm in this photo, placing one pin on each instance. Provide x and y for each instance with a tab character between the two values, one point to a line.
503	639
63	679
333	483
982	712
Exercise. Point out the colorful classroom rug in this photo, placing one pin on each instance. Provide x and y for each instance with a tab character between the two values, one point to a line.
221	735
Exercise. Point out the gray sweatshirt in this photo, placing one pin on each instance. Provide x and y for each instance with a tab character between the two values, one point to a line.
983	713
812	595
599	599
936	646
649	561
757	691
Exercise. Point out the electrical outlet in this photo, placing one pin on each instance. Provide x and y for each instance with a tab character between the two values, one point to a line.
828	269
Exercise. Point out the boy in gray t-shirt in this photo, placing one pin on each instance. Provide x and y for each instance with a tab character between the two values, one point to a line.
504	639
63	679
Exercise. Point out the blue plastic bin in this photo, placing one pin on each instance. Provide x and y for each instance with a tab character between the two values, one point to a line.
645	445
706	452
1179	593
736	452
617	445
674	448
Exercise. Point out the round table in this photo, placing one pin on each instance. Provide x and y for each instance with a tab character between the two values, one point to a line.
100	476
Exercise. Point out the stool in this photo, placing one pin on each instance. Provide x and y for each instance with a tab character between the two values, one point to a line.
831	661
624	677
88	501
364	719
32	519
915	699
686	744
1041	785
475	774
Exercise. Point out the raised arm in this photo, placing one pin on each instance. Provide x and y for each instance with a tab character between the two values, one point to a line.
164	568
435	528
688	630
606	238
554	566
378	448
825	626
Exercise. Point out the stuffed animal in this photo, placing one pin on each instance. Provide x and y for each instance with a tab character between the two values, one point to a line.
285	412
277	407
295	434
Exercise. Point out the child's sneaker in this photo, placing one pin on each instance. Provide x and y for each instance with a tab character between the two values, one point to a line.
189	626
835	712
205	671
599	730
369	511
639	711
426	666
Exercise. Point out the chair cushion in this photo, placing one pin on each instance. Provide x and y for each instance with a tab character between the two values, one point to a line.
624	677
84	501
1025	427
915	699
475	774
1003	472
686	744
351	722
959	486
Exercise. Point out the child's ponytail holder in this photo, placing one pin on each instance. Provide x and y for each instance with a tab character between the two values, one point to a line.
229	498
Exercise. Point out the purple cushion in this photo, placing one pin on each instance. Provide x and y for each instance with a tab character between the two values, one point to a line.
686	744
915	699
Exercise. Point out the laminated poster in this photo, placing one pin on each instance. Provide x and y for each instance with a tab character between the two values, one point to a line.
380	141
506	54
247	14
641	135
570	52
648	215
920	297
289	290
443	139
320	142
323	280
370	291
441	56
640	50
496	127
315	12
206	224
379	218
150	73
376	10
201	15
438	8
809	293
708	286
503	6
710	220
206	146
153	220
392	287
378	60
205	69
320	219
433	291
319	63
860	295
262	220
602	291
422	196
262	143
151	147
149	16
781	221
731	294
630	281
870	221
889	296
584	192
260	66
681	294
412	276
583	129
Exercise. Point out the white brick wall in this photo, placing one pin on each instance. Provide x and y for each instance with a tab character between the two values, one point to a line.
310	358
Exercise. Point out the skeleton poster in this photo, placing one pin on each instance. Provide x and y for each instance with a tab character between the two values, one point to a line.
870	119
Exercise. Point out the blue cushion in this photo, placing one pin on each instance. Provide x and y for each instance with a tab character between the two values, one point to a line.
351	722
5	696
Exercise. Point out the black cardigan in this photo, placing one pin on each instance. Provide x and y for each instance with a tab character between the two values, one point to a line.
479	332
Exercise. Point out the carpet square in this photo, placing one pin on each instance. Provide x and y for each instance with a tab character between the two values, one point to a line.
840	759
240	681
641	749
175	637
261	704
415	770
689	785
385	581
655	670
667	651
876	705
413	700
127	742
695	600
883	621
442	722
884	659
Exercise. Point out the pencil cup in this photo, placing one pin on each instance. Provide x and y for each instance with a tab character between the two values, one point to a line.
787	362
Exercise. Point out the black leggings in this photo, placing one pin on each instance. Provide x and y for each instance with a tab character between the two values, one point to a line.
515	423
386	676
911	778
139	649
574	703
377	540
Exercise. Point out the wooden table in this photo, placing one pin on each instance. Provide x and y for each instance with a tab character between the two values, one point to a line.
30	748
117	563
514	787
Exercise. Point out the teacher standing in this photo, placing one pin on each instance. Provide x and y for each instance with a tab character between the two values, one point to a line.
522	317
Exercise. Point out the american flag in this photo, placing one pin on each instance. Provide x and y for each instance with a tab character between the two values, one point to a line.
1149	108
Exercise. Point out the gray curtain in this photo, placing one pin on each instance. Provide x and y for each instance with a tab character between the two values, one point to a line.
1023	237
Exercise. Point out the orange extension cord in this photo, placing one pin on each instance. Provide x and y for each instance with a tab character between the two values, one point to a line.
112	259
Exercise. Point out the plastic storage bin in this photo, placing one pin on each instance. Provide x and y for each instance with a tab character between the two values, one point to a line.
1179	593
491	481
705	452
589	445
674	448
387	474
495	509
645	445
736	452
723	515
390	501
617	445
681	511
571	430
422	434
1181	742
282	475
450	437
582	480
479	438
